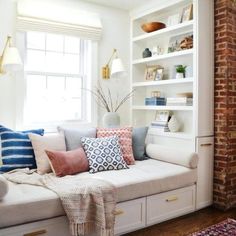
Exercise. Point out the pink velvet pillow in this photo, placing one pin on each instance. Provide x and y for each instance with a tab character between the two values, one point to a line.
68	163
125	140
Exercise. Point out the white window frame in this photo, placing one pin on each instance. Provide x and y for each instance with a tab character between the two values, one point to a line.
89	106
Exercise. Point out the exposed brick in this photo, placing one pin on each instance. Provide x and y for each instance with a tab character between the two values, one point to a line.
225	105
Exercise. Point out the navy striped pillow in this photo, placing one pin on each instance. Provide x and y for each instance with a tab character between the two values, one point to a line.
17	150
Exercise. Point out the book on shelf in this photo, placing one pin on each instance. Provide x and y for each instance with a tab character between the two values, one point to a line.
179	101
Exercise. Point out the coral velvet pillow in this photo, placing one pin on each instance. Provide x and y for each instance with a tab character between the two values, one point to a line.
68	163
125	139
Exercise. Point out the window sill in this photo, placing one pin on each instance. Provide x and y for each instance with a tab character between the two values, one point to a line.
52	127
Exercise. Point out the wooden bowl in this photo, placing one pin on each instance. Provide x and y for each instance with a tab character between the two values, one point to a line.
152	26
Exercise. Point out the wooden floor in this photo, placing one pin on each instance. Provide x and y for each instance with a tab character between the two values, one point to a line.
187	224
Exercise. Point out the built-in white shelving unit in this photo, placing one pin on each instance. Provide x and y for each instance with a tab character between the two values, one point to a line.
164	108
163	82
196	130
171	30
164	56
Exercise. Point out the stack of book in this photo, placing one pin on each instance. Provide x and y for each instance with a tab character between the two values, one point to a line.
155	101
160	126
179	101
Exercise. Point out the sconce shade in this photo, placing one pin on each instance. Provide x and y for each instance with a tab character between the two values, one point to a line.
117	68
11	60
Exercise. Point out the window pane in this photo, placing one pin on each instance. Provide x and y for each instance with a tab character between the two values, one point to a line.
55	93
72	45
35	98
54	62
54	42
35	60
71	64
55	85
74	86
36	40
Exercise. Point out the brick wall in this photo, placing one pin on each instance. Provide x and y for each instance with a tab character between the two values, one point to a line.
225	104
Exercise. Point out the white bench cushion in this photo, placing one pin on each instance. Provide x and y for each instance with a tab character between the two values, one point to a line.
25	203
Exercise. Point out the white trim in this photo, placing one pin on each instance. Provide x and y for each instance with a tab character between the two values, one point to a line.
86	120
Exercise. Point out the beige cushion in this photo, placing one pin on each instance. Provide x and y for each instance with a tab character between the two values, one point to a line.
175	156
3	187
26	203
54	142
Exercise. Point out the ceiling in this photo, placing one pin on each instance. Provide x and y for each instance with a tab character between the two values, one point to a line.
121	4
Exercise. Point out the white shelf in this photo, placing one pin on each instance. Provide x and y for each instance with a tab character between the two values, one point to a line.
183	27
164	108
164	56
179	135
163	82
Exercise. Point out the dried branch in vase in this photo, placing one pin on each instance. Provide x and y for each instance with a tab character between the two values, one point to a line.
105	100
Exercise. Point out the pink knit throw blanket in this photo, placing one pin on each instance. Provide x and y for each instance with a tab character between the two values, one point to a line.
89	203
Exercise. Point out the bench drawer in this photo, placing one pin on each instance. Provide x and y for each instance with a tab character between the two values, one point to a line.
130	215
52	227
170	204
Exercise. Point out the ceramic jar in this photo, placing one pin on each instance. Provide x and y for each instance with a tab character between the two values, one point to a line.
173	124
147	53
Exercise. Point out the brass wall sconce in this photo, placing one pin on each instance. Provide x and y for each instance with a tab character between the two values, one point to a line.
117	67
10	59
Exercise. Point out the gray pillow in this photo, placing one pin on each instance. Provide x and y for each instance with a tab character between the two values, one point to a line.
73	136
138	143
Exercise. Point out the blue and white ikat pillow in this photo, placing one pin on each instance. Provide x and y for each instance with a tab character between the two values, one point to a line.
103	154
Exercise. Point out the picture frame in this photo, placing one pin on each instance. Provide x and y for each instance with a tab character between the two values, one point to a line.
159	74
187	13
173	20
162	116
150	72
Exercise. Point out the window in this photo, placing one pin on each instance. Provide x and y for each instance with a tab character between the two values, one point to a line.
57	79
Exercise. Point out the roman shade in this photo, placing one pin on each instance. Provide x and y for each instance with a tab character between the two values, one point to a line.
53	18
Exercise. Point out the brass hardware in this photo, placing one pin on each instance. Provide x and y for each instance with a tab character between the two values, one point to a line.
106	68
118	212
206	144
171	199
36	233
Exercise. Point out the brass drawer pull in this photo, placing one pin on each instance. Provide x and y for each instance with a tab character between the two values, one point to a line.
118	212
206	144
171	199
36	233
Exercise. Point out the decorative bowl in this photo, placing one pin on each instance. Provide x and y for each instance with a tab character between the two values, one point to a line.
152	26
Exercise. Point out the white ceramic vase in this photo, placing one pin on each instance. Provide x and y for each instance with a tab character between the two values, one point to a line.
173	124
111	120
179	75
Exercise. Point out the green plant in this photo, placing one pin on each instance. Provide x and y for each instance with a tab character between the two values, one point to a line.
181	69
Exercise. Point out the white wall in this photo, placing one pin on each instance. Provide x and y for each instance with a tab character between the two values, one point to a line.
115	35
7	83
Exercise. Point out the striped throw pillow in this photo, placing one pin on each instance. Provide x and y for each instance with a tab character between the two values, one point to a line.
17	150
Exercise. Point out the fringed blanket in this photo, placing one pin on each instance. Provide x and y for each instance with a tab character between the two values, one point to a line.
89	203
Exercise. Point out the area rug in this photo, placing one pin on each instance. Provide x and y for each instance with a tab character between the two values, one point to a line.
224	228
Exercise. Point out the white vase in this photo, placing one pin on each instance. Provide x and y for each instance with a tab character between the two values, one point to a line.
111	120
179	75
173	124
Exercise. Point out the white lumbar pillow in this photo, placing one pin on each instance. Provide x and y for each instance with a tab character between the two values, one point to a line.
40	143
172	155
3	187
